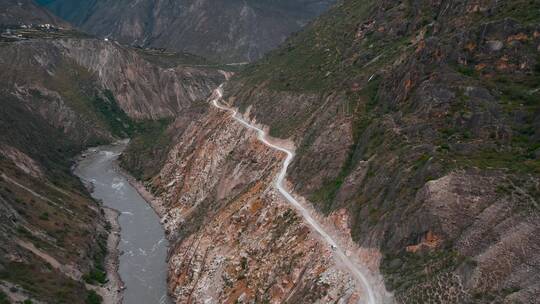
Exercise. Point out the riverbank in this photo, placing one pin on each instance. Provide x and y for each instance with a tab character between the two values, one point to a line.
112	292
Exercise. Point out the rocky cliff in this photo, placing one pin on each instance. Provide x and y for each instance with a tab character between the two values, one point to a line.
231	31
416	133
235	237
141	89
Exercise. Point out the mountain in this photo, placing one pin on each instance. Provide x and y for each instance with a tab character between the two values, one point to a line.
61	92
26	11
415	126
223	30
388	152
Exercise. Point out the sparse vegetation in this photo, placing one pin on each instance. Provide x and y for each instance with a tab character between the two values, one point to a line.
150	143
44	216
312	60
408	269
116	119
48	285
98	275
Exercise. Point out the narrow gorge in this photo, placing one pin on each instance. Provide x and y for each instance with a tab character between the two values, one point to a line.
355	151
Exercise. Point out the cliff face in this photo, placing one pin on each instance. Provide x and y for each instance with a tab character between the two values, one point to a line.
416	133
230	31
61	92
235	237
142	90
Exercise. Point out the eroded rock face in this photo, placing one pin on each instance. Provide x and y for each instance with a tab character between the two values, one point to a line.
143	90
496	226
236	238
22	161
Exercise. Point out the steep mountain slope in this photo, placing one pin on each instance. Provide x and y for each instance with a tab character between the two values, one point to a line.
61	92
47	218
235	238
416	132
421	120
224	30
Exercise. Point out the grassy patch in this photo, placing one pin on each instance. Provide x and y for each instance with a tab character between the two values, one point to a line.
313	59
407	269
42	283
44	216
466	70
524	11
369	99
113	116
515	161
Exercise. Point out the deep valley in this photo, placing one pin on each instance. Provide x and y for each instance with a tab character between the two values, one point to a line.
370	152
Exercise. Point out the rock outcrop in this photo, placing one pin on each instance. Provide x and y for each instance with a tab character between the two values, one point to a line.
141	89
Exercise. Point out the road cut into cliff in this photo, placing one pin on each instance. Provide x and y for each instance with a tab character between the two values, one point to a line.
357	271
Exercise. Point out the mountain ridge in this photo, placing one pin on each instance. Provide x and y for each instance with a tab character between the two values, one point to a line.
226	31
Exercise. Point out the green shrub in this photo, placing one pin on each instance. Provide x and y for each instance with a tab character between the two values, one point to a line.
3	298
44	216
93	298
95	276
467	71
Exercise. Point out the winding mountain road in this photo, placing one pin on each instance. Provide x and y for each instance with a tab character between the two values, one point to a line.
355	270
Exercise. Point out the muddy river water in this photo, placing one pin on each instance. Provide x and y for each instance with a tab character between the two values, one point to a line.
143	246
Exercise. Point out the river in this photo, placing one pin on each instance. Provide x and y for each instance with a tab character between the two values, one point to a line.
142	266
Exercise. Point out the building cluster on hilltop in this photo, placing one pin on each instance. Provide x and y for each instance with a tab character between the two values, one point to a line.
17	31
